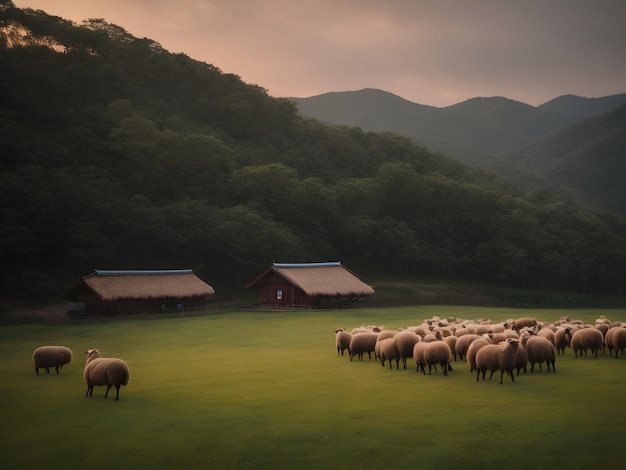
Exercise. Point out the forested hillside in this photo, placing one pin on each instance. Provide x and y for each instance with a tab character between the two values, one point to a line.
119	154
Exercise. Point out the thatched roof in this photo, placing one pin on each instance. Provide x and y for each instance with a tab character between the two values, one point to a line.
319	279
145	284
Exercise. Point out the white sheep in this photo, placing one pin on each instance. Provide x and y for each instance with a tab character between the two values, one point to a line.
587	338
540	350
497	357
109	371
45	357
342	341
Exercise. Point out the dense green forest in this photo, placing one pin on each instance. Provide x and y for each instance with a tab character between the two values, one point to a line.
119	154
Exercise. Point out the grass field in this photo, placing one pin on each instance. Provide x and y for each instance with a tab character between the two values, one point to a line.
266	389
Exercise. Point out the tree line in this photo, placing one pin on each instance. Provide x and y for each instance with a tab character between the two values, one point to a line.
119	154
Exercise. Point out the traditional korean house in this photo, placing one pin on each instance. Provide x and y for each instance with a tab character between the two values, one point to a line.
138	291
309	285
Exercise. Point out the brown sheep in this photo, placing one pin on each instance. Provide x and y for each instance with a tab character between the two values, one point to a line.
418	356
362	343
616	339
389	352
472	350
438	352
524	323
342	341
540	350
562	338
405	340
497	357
463	343
587	338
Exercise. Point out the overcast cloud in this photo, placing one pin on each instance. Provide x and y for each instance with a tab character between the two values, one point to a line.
431	52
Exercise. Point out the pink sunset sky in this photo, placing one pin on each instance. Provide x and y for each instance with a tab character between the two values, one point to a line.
430	52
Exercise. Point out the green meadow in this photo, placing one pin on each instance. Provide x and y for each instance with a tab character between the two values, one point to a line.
266	389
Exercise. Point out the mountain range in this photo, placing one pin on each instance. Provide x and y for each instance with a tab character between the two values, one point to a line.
572	146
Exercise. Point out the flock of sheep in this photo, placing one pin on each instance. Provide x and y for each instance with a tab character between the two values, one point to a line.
99	371
502	347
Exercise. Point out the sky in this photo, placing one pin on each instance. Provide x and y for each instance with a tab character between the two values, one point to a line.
432	52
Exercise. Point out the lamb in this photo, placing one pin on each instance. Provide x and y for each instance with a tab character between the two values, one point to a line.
438	352
562	338
45	357
362	343
389	351
472	349
109	371
587	338
616	339
405	340
342	340
540	350
497	357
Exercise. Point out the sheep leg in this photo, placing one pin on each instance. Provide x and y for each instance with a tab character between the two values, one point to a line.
117	394
89	389
397	364
107	392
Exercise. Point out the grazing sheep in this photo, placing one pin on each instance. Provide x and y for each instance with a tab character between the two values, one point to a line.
616	339
108	371
497	357
562	338
587	338
418	356
540	350
405	340
389	352
438	352
472	349
45	357
463	343
362	343
342	340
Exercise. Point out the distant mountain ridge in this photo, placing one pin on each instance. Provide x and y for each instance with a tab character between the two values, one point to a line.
491	133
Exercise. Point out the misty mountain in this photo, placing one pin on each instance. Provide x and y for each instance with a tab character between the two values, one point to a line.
585	163
490	133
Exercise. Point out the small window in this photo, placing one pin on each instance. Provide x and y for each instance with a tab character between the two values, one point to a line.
279	294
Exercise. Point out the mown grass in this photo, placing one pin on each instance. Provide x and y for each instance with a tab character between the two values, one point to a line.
252	389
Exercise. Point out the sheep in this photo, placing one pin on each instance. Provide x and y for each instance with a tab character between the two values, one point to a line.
389	351
497	357
587	338
463	343
451	342
616	339
472	349
438	352
45	357
540	350
405	340
363	343
342	341
109	371
418	356
562	338
521	359
524	323
548	334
